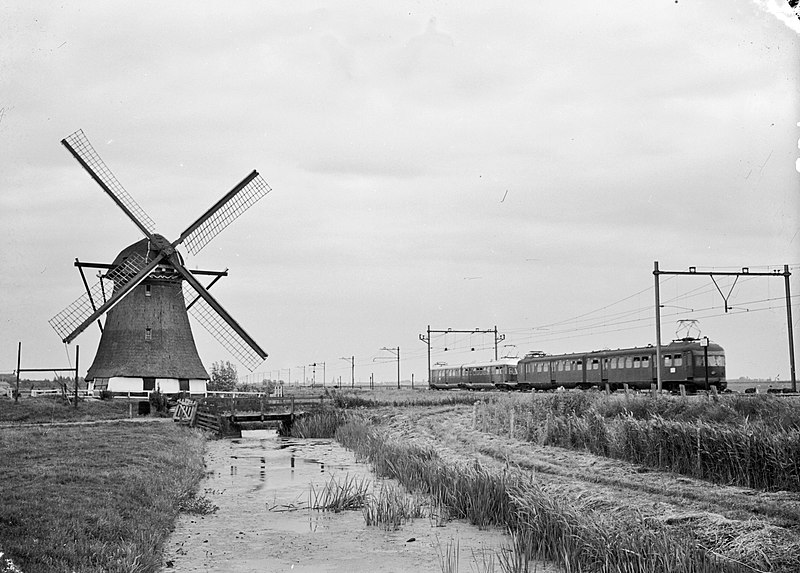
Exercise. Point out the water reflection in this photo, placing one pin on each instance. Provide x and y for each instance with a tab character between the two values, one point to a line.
281	472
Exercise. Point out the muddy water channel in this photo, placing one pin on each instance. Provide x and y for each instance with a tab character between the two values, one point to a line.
262	484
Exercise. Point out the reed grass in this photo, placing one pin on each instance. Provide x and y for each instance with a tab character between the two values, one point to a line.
392	507
545	525
449	555
340	494
321	424
751	442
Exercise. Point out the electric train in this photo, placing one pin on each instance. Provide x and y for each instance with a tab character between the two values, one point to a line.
694	363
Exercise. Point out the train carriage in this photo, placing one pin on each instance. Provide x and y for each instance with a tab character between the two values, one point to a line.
685	362
500	374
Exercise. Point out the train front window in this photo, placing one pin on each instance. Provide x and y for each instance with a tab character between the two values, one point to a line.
677	360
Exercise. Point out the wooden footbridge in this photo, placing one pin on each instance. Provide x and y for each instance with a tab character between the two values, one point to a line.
229	416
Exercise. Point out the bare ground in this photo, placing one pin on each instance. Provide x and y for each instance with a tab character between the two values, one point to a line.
760	529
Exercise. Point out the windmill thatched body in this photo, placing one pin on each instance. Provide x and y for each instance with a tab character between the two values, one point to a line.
147	342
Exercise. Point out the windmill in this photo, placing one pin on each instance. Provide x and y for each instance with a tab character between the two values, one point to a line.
147	294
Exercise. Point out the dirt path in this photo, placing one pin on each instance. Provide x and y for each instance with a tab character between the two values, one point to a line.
755	527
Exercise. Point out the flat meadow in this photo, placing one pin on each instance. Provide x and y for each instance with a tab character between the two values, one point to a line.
95	498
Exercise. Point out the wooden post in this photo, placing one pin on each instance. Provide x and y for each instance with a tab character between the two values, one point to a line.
627	390
19	355
511	433
683	390
261	400
77	355
474	415
130	406
699	462
653	389
608	389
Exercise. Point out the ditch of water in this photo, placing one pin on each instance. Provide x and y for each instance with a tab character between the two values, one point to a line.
262	485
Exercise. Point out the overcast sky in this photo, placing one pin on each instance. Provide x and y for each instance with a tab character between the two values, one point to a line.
460	165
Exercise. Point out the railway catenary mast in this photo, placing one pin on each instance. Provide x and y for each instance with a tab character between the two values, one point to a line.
427	340
745	271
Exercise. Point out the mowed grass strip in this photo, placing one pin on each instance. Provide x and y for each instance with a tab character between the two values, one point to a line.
47	409
95	498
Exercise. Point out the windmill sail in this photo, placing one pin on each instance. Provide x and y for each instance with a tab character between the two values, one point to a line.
224	212
66	321
217	327
82	150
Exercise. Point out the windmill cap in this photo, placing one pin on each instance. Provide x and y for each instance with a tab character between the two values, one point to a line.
142	248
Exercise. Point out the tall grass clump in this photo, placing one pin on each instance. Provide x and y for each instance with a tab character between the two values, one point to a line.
321	424
340	494
747	441
750	455
469	492
544	524
391	507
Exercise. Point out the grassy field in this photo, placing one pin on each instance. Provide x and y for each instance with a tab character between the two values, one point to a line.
46	409
99	498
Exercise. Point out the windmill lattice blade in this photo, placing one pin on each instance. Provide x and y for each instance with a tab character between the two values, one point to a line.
83	151
220	329
225	213
66	321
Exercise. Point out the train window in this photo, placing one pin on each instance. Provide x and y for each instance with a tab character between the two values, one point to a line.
645	362
629	362
668	360
716	360
677	360
560	366
637	362
568	365
595	364
579	365
612	363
